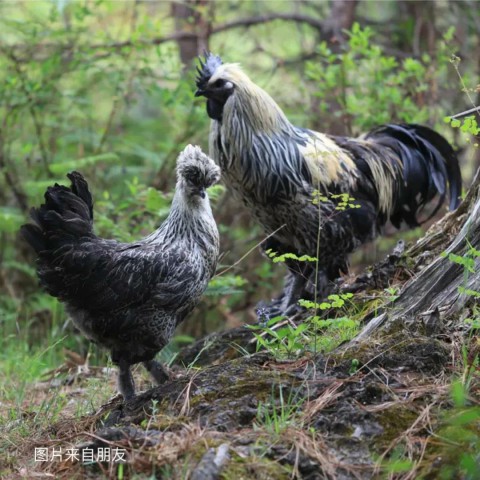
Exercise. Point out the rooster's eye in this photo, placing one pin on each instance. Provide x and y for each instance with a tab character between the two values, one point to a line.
219	83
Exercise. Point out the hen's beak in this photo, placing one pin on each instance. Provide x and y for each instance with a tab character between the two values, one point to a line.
202	192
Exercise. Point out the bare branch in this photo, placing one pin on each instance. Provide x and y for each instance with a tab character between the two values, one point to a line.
250	21
466	113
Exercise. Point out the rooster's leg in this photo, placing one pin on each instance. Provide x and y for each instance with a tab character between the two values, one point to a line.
292	293
267	311
286	303
157	371
126	386
319	286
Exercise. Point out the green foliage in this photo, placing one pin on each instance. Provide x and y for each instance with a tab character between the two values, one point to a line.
355	364
225	284
371	87
65	166
276	258
318	197
466	125
336	301
467	261
277	415
459	438
283	338
470	349
10	219
345	201
459	433
287	340
392	294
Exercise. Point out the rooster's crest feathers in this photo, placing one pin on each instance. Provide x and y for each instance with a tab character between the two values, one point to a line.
207	68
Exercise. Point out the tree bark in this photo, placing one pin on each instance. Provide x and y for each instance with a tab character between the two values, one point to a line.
341	17
435	292
189	17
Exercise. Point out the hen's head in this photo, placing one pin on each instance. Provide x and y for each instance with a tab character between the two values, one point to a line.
196	171
217	81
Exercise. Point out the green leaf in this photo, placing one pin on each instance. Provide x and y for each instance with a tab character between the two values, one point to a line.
398	466
465	261
467	417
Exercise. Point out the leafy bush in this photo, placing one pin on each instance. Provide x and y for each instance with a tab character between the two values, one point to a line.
371	87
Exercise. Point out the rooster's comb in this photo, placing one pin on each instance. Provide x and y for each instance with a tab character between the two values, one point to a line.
207	68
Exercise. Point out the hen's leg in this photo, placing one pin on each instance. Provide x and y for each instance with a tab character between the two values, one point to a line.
126	385
157	371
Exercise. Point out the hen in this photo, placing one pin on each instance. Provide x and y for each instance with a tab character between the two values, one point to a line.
129	297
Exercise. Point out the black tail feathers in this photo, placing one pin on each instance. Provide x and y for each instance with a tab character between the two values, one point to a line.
430	168
66	215
80	188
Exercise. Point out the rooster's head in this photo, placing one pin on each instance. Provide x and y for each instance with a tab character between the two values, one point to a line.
217	81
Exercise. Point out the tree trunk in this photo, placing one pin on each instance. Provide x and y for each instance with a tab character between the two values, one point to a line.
341	17
190	16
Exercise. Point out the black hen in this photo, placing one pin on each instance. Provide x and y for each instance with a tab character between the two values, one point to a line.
292	179
129	297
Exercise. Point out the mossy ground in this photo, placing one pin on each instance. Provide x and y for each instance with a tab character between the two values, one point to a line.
307	418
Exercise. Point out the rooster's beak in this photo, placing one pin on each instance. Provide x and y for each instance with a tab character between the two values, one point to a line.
199	92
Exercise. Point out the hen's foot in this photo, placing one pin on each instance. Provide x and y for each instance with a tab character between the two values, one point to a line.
157	371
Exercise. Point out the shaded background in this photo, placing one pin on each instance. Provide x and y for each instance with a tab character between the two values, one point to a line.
107	88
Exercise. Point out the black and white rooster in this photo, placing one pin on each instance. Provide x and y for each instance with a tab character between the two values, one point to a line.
292	179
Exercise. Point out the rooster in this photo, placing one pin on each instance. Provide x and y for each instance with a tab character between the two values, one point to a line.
129	297
294	180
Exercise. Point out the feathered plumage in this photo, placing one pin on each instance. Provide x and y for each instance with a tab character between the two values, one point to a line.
283	173
129	297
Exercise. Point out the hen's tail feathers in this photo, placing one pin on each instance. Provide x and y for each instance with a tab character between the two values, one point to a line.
66	216
430	167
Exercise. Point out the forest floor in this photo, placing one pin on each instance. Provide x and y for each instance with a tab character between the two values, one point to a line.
402	404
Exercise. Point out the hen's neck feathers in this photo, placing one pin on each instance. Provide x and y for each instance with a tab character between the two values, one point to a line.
190	220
